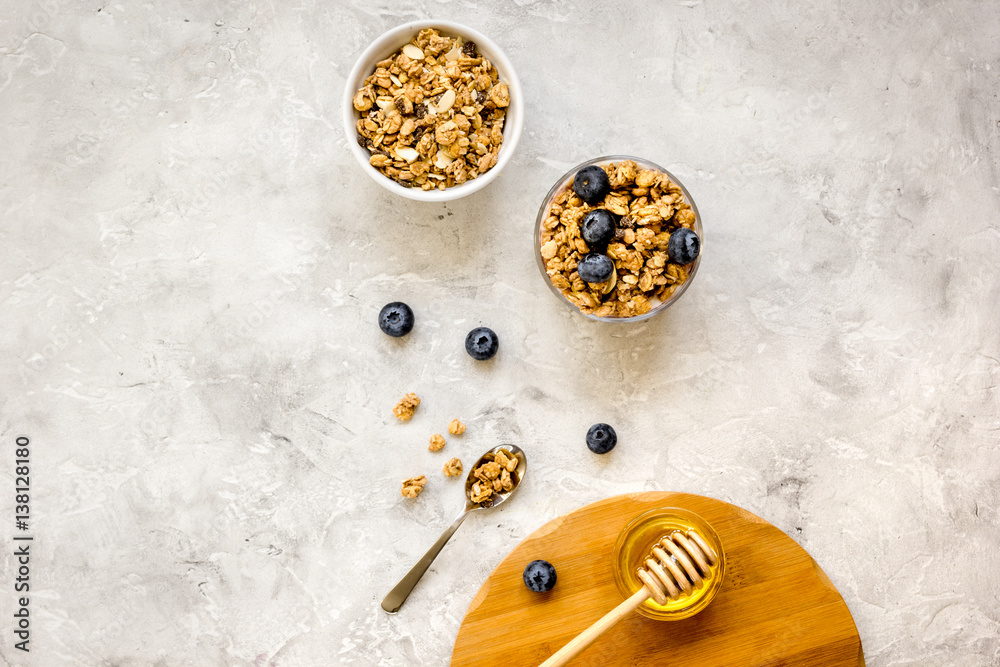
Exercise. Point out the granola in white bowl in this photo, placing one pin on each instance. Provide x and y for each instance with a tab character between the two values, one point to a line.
434	110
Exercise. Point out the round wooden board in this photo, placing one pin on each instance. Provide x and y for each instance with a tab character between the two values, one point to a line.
775	607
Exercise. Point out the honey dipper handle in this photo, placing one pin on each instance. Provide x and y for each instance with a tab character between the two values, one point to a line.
590	635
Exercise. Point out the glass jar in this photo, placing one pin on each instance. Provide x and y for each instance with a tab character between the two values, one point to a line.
633	547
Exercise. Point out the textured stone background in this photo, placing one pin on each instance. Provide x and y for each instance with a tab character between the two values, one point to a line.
193	264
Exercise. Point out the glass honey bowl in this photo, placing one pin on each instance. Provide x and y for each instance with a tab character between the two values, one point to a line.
633	548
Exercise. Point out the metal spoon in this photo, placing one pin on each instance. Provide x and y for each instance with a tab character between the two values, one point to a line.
397	596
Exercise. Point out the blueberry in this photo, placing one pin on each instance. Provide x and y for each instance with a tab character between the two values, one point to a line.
395	319
601	438
598	228
481	343
595	268
684	246
591	184
540	576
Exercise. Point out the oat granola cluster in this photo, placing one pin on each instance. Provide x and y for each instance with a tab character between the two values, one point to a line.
453	468
437	442
493	476
432	114
413	486
406	406
648	207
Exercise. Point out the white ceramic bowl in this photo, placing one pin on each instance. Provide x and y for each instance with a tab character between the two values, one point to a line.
389	43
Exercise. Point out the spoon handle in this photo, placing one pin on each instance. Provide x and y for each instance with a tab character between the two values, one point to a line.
397	596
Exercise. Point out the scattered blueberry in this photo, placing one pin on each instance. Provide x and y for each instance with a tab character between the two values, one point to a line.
395	319
598	228
591	184
684	246
540	576
595	268
481	343
601	438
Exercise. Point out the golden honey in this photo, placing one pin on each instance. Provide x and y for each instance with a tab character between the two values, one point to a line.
637	540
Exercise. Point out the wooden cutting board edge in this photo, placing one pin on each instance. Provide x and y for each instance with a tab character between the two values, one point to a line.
660	498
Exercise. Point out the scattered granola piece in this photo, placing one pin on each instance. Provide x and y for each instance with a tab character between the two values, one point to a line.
437	442
456	427
453	468
413	486
404	409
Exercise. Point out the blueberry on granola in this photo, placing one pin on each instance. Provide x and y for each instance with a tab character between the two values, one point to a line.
395	319
683	246
601	438
482	343
539	576
595	268
598	227
591	184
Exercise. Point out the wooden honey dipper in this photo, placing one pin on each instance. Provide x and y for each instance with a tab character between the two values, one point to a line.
677	564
